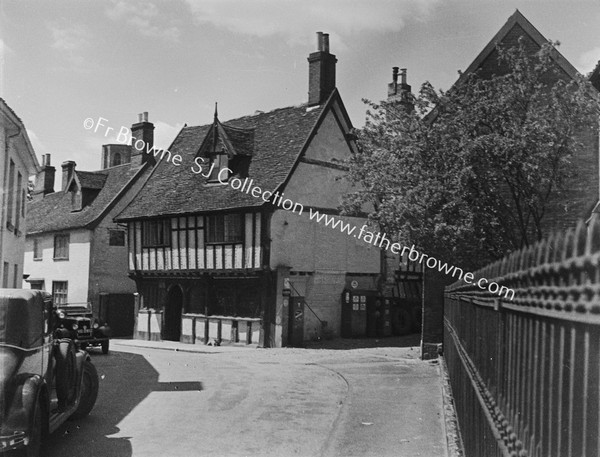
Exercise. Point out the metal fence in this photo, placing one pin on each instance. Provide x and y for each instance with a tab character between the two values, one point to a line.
525	372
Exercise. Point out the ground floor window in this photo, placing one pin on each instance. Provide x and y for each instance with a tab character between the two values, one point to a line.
59	292
236	298
36	284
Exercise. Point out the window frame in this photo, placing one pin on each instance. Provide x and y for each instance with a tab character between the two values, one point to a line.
66	247
112	231
218	162
65	293
38	251
157	239
217	224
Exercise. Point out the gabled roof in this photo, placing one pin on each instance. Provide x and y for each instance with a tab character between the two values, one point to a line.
513	24
25	147
234	140
275	140
53	212
89	179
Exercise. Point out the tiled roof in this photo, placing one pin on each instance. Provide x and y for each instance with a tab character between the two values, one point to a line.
53	212
91	179
278	139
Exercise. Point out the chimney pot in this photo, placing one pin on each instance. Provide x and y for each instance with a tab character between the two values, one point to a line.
403	74
326	42
68	168
319	41
321	72
44	181
395	75
142	132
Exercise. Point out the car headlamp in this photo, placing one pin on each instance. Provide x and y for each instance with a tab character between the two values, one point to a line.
75	326
96	325
61	315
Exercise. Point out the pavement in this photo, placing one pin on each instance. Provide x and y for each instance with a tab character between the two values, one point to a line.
335	398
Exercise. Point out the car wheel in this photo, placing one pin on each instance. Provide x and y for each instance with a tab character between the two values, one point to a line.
34	448
105	347
89	390
66	373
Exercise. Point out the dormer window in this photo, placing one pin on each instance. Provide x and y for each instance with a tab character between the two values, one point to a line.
219	163
229	149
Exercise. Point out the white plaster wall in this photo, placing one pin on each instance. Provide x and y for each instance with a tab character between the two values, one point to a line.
75	270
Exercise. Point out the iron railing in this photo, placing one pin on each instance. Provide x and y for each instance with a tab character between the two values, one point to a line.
525	372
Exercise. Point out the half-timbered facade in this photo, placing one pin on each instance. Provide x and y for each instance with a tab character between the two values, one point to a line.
223	245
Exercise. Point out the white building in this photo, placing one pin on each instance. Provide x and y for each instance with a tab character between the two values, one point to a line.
17	163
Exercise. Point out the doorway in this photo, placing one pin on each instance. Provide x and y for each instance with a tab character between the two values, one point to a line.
172	319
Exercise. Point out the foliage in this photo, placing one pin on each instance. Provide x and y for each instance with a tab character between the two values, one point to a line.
469	174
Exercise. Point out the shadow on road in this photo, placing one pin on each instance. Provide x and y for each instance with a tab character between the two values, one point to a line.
404	341
125	381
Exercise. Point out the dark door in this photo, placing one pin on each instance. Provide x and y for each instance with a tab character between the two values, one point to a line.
172	320
296	324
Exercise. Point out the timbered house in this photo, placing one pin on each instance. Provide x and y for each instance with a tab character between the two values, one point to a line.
222	245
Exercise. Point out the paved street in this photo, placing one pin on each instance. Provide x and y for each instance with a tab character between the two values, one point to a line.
238	401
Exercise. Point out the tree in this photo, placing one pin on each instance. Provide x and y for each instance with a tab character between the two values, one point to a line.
469	174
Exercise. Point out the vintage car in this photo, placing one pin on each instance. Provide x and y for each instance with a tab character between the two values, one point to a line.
76	321
44	379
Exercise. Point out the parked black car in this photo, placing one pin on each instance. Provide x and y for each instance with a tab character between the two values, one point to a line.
78	323
44	379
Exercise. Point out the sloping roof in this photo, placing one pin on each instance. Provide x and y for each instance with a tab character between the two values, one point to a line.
53	212
28	155
274	139
90	179
517	21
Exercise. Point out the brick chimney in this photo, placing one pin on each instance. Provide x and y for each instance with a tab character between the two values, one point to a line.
321	72
68	168
400	93
142	140
44	181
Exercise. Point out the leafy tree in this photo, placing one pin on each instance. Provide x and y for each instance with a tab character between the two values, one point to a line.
468	174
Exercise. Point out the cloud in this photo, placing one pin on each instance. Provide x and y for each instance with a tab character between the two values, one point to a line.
589	59
145	17
70	38
72	41
298	20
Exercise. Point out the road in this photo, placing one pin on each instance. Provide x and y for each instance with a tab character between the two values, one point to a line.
259	402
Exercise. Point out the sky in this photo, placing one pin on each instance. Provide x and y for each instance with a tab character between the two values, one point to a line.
62	62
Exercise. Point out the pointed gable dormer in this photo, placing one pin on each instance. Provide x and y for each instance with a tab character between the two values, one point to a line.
84	187
229	150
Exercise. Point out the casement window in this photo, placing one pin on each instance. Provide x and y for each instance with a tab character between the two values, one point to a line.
18	198
116	237
60	291
38	252
11	195
224	228
219	162
156	233
5	273
61	247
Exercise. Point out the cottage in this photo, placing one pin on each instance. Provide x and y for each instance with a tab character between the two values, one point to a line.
74	249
